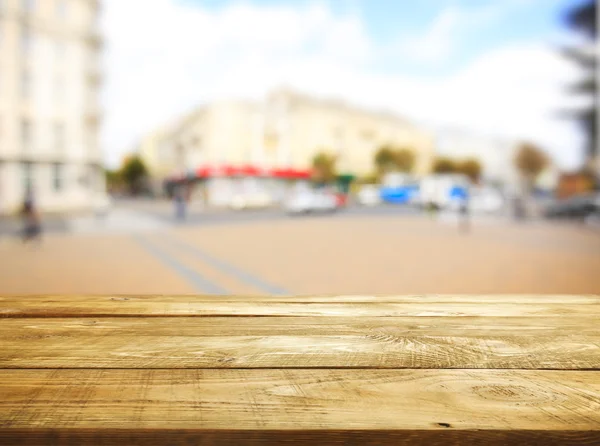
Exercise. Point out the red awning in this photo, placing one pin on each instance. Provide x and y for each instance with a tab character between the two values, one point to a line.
301	174
279	173
204	171
290	173
250	170
229	170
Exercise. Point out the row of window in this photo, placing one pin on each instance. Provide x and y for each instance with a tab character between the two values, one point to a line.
58	178
27	86
26	135
29	183
27	42
30	6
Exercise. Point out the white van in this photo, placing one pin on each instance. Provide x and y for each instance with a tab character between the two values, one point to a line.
438	190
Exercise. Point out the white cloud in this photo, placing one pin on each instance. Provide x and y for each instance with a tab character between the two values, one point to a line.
435	44
442	38
165	57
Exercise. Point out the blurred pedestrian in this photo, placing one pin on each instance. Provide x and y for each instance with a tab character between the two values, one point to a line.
180	203
464	222
431	209
519	209
32	228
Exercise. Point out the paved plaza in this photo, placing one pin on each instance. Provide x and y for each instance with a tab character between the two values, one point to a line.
377	254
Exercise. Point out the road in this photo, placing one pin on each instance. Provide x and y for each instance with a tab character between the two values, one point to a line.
198	216
376	251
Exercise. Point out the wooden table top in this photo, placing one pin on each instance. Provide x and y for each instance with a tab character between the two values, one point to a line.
343	370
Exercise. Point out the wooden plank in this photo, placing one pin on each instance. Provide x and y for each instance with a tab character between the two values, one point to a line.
173	437
426	298
299	406
372	349
31	328
127	307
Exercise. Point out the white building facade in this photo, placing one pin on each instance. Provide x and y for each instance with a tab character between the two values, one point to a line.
496	155
286	130
49	109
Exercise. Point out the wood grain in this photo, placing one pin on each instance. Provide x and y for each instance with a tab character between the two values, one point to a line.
26	328
342	437
347	370
191	307
373	349
300	399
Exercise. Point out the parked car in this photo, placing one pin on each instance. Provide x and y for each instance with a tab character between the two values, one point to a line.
369	196
444	191
401	194
309	201
250	201
102	207
581	206
481	200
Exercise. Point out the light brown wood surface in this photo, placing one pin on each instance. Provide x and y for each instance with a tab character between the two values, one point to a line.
375	348
122	306
360	370
11	328
302	399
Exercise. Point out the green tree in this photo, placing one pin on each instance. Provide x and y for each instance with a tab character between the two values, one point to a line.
581	18
471	168
113	179
384	159
324	167
530	161
444	165
134	173
370	178
404	160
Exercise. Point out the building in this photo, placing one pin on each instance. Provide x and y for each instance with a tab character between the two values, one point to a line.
49	110
496	155
222	133
286	131
296	127
272	141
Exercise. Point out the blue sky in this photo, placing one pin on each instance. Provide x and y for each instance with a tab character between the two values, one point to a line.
488	67
510	22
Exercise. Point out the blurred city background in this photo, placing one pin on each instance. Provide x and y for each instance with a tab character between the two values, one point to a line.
299	147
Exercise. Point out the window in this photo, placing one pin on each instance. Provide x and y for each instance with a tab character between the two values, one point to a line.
59	89
96	173
26	134
61	8
27	176
57	177
84	180
25	84
26	40
368	134
271	141
59	136
60	49
28	5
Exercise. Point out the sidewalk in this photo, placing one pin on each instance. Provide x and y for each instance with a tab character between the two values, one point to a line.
117	221
12	226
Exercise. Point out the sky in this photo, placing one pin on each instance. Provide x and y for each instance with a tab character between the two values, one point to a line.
484	66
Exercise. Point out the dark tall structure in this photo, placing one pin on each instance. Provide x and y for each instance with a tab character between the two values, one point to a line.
581	18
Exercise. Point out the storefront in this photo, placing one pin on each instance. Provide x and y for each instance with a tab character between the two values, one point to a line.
240	187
